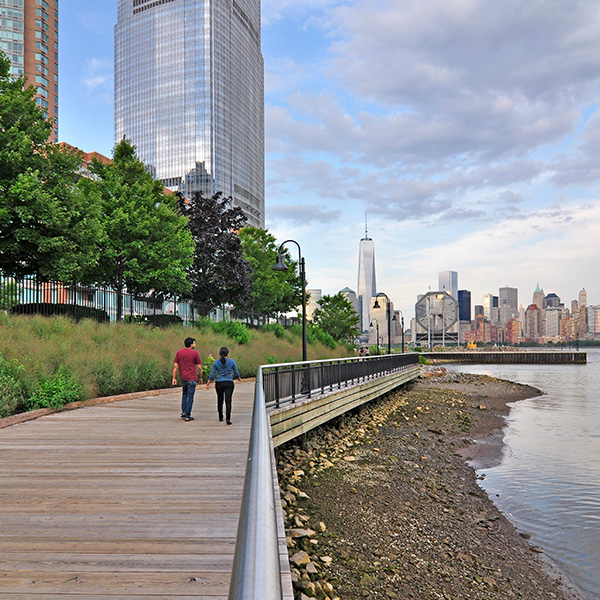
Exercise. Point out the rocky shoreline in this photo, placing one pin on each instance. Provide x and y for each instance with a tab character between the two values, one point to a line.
384	504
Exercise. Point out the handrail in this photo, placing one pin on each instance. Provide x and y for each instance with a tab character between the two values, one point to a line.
287	382
256	570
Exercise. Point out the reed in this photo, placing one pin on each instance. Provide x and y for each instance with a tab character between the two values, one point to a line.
48	361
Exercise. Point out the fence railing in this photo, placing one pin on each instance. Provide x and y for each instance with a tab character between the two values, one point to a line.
291	381
32	295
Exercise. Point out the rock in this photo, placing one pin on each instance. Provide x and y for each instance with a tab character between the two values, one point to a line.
300	559
350	458
311	568
321	527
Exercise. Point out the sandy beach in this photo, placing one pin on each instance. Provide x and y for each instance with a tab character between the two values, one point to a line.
385	503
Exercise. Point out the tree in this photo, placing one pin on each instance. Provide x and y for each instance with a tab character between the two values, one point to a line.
145	243
272	292
47	227
336	316
219	273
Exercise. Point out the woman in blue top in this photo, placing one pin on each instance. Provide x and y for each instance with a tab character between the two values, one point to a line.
224	369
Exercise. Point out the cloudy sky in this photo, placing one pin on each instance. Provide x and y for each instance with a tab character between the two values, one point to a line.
469	131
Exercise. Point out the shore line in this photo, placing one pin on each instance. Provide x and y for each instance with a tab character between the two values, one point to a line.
395	509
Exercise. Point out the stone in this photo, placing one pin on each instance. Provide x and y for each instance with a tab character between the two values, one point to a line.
326	559
300	559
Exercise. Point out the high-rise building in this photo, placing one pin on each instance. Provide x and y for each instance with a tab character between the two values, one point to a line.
539	298
367	286
448	282
464	305
29	37
189	93
508	304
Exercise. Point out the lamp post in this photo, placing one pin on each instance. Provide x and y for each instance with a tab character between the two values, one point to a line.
377	332
389	318
402	327
281	266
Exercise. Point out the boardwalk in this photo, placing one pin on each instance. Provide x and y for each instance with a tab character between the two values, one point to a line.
123	500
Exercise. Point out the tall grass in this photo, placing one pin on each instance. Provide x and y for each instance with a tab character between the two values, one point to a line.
50	361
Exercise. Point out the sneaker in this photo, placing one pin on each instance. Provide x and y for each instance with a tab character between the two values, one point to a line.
228	422
220	418
188	419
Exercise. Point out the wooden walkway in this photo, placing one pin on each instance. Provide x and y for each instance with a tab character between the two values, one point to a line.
123	500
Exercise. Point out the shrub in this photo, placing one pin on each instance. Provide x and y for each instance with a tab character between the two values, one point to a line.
164	320
315	334
207	364
233	329
276	328
56	391
47	309
11	391
422	360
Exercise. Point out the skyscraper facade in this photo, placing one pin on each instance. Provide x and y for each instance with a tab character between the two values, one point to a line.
189	93
367	287
29	37
508	304
464	305
448	282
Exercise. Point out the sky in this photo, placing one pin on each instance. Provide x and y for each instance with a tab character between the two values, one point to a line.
468	132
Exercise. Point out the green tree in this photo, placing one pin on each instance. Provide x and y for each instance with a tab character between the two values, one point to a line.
219	273
272	292
145	243
47	227
336	316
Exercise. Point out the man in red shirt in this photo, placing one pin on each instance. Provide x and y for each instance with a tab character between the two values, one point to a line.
190	370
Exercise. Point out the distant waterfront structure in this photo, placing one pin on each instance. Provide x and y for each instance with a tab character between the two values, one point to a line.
367	287
29	37
448	282
189	94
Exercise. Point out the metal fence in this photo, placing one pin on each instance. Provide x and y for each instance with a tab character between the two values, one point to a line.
290	381
32	295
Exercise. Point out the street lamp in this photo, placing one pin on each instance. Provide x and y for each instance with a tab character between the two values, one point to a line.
377	331
402	326
281	266
389	318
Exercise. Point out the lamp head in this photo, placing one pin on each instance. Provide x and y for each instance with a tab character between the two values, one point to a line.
376	305
280	265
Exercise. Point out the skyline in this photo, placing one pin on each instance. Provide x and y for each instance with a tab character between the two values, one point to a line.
473	145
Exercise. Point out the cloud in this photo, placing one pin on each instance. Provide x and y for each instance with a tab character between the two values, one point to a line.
97	80
303	214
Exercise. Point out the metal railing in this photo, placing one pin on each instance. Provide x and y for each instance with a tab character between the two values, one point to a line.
291	381
256	573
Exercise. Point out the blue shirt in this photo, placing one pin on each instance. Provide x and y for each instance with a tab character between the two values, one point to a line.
224	371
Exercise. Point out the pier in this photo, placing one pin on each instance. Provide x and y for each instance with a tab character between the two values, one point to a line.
510	358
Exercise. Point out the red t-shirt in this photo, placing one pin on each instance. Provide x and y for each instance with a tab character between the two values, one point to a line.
187	359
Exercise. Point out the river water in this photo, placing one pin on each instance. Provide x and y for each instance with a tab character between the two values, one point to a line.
548	482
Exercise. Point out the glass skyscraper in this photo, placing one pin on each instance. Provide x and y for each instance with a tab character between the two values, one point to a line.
189	93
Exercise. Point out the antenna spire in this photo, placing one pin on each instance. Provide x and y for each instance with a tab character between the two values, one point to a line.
366	228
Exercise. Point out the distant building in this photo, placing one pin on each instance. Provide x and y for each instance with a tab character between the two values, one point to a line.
464	305
593	318
508	304
490	307
552	300
436	315
448	282
533	326
367	287
514	331
351	296
314	296
553	316
477	310
538	298
29	38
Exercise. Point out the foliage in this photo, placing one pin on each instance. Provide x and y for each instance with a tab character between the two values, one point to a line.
47	227
107	359
236	331
314	335
276	328
272	292
144	243
336	316
66	310
207	364
56	391
9	294
422	360
11	391
219	273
